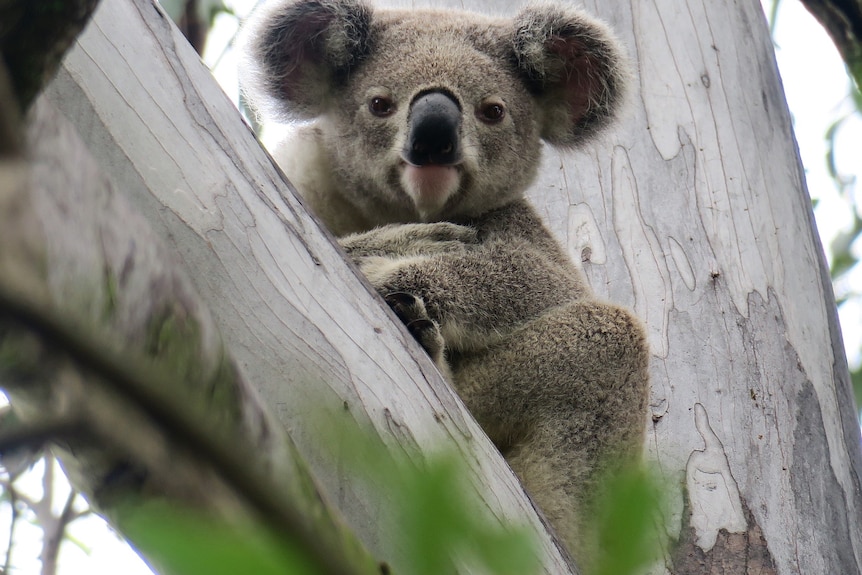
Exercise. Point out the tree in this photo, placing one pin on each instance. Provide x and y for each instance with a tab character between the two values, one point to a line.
694	213
843	22
125	280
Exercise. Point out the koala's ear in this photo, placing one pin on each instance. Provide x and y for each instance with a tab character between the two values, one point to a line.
575	67
297	52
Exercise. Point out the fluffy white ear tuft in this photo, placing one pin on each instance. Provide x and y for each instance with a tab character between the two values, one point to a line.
575	66
297	52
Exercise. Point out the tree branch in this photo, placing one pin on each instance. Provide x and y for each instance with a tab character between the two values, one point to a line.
53	538
10	120
302	327
843	21
13	504
145	386
38	433
34	36
27	500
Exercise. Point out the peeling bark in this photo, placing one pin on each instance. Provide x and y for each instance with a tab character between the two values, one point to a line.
744	553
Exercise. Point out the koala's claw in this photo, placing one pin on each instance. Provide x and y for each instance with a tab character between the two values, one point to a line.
411	311
419	327
400	299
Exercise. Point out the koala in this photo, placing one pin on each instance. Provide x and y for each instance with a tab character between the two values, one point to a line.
423	130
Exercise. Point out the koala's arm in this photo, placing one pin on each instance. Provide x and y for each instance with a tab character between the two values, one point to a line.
477	295
478	282
402	240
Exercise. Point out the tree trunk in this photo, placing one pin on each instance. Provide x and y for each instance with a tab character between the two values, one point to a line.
303	329
176	418
694	213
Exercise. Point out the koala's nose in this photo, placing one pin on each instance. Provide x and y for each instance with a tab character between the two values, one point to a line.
434	124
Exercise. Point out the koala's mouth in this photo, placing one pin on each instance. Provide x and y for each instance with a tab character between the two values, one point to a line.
430	186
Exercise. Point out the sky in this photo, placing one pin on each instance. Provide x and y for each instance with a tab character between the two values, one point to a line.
817	89
817	92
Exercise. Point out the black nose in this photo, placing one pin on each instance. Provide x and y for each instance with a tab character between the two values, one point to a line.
434	124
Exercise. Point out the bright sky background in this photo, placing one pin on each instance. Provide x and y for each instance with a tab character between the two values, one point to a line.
817	92
817	88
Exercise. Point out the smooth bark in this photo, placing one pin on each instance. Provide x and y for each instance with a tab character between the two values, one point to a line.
694	212
304	329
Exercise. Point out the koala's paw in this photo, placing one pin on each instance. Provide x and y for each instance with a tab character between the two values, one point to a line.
411	310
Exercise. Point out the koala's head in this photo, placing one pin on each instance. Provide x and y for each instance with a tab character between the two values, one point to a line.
437	115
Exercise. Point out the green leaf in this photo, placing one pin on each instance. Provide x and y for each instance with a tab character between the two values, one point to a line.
855	72
507	552
181	542
843	259
773	16
435	517
626	514
856	379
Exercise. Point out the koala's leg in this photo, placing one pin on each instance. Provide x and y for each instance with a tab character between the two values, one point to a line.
564	398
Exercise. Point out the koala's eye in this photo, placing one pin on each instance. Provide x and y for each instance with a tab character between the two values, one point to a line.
491	112
381	106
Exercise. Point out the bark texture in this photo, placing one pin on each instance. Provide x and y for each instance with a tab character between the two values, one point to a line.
694	213
73	247
702	223
305	332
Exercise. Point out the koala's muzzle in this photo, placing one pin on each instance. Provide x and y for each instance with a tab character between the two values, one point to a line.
434	126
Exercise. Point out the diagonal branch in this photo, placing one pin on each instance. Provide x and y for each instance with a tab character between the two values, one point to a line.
34	36
13	504
134	379
843	21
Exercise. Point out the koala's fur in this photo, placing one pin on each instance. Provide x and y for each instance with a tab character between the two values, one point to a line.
557	379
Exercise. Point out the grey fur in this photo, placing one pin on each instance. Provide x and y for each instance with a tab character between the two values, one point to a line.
556	378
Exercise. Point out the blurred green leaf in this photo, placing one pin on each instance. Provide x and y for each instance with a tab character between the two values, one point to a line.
773	16
855	93
627	515
842	262
842	181
437	521
841	248
854	70
856	378
181	542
